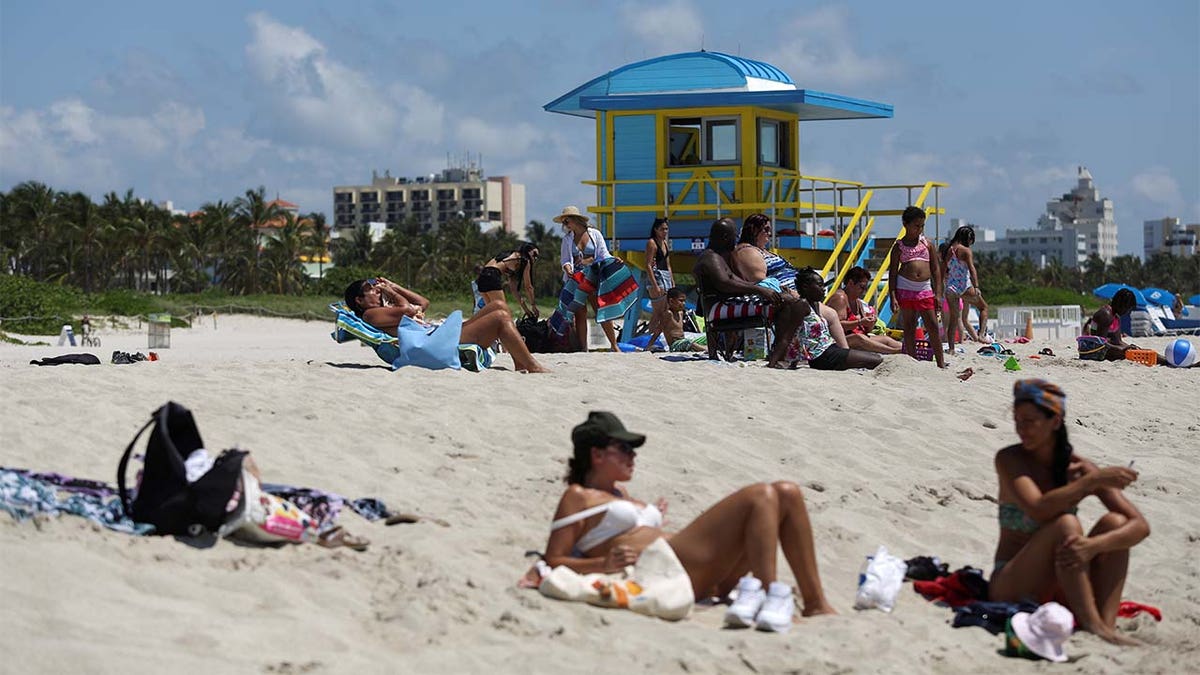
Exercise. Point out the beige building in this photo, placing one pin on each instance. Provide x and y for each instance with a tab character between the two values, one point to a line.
1171	236
493	201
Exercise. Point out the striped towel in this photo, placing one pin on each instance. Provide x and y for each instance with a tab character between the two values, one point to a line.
611	281
740	307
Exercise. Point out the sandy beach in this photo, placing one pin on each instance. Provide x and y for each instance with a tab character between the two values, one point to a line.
901	456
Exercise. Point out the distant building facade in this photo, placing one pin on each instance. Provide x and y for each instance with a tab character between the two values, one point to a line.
1170	236
1074	226
1088	214
433	200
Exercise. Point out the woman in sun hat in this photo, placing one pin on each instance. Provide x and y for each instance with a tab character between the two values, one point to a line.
599	527
1043	551
591	275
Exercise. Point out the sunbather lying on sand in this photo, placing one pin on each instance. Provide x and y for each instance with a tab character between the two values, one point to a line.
383	304
598	527
1043	551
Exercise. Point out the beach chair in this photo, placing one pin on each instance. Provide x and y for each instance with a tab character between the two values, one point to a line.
727	330
348	327
1165	319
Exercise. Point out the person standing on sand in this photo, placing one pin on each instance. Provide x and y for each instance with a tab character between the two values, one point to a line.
1043	551
962	283
915	278
383	304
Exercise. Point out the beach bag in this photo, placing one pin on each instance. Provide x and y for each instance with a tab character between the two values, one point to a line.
879	581
164	498
656	585
433	349
1092	347
264	518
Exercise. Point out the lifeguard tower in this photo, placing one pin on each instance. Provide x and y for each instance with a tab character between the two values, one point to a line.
702	135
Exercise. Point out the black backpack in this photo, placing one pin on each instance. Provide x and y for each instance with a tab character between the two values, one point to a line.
164	498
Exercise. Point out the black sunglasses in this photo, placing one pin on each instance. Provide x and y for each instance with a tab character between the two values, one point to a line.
625	447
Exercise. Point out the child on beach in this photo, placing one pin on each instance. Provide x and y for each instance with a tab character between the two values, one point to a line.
962	283
671	326
916	284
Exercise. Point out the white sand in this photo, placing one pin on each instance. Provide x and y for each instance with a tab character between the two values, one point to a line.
901	456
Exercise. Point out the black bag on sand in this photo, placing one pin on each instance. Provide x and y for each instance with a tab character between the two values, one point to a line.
82	359
164	498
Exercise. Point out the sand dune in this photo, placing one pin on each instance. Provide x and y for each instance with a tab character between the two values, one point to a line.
901	456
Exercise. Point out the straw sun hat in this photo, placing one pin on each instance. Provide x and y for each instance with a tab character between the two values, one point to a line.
570	211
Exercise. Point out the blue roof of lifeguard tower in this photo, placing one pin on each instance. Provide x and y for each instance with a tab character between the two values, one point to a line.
708	79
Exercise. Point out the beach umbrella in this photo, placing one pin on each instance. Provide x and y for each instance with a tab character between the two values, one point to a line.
1159	297
1194	300
1107	291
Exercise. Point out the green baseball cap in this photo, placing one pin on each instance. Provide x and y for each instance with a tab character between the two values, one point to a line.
600	428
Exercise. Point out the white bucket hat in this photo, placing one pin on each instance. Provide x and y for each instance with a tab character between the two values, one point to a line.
1045	631
571	211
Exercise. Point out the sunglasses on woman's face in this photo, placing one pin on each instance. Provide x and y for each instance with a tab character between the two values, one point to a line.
624	447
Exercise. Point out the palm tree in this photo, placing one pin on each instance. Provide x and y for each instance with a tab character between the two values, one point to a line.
33	210
319	240
252	211
282	255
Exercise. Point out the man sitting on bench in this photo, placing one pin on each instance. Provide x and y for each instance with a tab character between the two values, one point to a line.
728	296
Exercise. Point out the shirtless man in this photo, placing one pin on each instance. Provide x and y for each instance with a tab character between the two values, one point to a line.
727	294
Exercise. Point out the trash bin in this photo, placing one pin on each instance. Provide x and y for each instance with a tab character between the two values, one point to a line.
160	331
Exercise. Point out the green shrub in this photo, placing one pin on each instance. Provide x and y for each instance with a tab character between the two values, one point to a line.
34	308
121	303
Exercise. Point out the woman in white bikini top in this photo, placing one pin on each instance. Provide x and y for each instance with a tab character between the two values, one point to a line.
598	527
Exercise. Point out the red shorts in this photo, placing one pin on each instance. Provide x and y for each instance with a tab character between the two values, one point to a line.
916	299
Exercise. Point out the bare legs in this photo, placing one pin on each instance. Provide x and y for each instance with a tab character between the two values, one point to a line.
581	328
494	322
741	533
1092	592
880	344
787	319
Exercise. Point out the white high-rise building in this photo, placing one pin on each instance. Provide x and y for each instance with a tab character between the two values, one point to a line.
1084	211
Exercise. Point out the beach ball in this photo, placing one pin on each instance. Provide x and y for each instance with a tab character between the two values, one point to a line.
1180	353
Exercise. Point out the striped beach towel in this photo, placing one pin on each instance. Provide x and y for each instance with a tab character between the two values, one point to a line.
611	281
740	307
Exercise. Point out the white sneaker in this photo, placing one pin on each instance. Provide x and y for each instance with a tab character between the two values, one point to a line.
745	607
777	609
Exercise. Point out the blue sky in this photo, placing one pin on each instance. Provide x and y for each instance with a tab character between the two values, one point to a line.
196	102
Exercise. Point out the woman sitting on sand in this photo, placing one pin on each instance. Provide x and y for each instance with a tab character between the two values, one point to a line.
383	304
598	527
1043	552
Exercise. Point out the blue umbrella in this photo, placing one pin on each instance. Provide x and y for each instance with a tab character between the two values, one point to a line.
1194	300
1107	291
1159	297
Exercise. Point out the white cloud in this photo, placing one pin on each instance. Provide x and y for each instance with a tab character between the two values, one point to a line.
819	48
321	101
672	26
1050	178
1157	185
497	139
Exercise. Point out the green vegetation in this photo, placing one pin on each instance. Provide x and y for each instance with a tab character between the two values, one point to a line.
1013	281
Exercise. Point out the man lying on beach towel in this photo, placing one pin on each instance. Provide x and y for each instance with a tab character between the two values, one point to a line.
383	304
